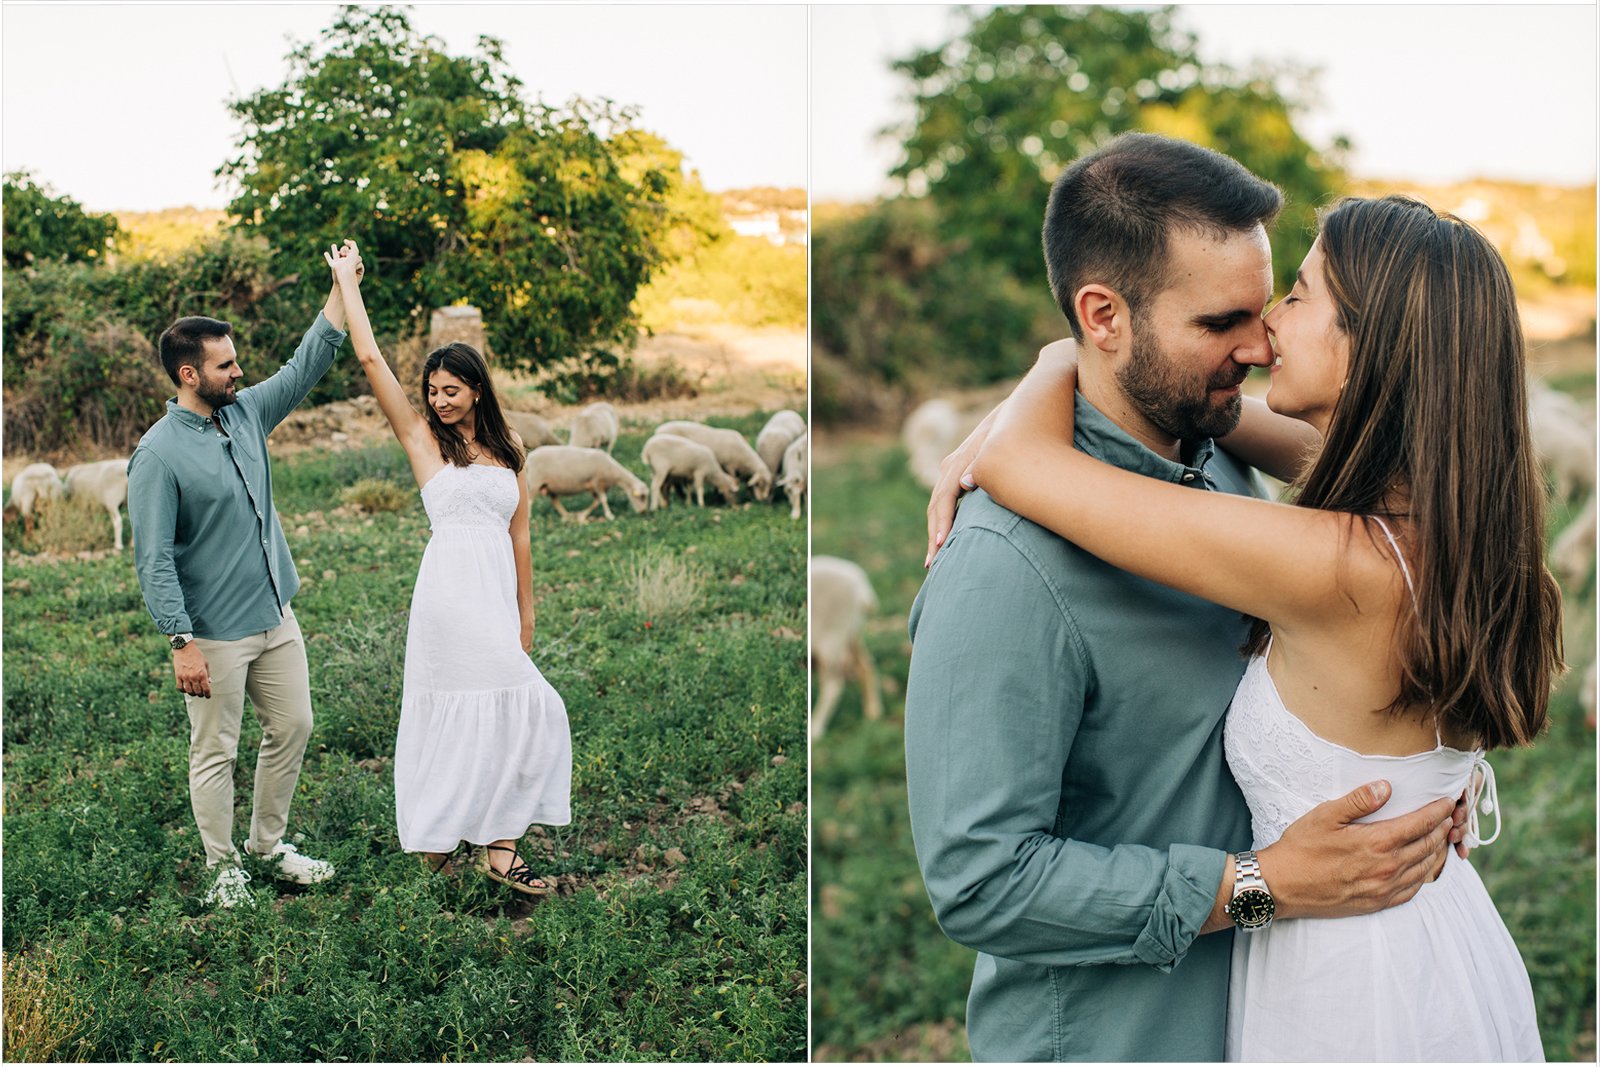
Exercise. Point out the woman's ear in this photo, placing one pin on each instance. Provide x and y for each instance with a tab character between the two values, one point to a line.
1103	317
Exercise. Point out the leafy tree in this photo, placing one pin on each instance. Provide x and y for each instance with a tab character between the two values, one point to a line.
899	303
456	189
1002	109
41	226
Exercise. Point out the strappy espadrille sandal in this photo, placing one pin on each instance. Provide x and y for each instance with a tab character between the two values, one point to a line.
518	876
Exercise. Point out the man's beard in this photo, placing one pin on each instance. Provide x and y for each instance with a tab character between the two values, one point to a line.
216	396
1176	403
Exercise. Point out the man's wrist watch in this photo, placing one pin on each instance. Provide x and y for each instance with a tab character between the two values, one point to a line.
180	641
1251	907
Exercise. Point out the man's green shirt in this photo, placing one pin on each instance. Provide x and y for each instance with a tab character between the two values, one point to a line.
207	544
1070	803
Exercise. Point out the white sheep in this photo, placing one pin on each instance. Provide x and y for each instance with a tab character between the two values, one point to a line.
533	429
1563	437
105	483
596	426
674	457
795	477
732	451
841	600
1572	554
776	436
932	432
562	470
35	483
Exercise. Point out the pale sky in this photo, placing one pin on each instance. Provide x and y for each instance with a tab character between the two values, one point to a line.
1427	93
124	106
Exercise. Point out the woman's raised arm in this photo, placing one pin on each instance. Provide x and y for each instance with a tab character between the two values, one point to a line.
409	427
1274	561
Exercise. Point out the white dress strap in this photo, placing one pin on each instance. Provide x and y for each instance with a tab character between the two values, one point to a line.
1399	556
1483	795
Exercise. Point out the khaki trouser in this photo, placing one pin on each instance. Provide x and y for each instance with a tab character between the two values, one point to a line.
271	668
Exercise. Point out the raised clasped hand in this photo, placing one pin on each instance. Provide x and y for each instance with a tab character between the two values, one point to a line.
345	261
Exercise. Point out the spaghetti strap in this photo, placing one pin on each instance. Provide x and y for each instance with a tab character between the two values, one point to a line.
1405	571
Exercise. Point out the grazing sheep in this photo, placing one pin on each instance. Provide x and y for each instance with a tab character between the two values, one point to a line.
1563	438
776	436
533	429
562	470
105	482
36	482
671	456
794	478
841	600
1573	552
732	451
596	426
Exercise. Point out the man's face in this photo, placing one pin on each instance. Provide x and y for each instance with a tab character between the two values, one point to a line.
1197	339
218	373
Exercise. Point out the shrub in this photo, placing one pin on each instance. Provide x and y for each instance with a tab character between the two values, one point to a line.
376	494
42	1017
602	374
69	525
663	586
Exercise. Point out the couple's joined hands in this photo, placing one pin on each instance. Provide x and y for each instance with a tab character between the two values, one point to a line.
345	262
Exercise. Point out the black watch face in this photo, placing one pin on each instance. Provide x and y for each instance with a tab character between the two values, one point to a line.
1252	908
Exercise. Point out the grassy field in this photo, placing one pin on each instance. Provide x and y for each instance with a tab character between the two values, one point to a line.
680	928
890	986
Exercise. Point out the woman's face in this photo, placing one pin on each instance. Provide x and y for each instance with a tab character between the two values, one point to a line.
1313	354
452	399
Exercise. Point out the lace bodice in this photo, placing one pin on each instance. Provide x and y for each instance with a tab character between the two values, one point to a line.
1285	770
476	496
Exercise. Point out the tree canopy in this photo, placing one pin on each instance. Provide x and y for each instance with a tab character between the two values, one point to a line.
41	226
457	190
1002	109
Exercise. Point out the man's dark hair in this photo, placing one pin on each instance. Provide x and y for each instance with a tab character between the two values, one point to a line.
183	344
1111	211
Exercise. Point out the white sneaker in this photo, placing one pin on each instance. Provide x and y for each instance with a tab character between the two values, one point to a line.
293	867
229	888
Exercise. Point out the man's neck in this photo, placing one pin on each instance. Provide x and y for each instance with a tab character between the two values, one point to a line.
1099	387
190	402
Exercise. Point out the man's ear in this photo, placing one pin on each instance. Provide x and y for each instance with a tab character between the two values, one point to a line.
188	375
1103	316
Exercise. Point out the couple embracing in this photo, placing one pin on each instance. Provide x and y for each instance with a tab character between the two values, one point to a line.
483	750
1185	765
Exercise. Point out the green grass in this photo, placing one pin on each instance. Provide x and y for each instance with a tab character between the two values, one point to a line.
889	985
681	930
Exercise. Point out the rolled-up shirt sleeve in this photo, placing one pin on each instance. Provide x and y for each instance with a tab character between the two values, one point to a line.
994	701
153	516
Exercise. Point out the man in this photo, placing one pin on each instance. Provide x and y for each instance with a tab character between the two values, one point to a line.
217	579
1073	814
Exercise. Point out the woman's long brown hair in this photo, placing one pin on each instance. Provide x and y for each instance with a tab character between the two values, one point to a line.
1431	429
493	437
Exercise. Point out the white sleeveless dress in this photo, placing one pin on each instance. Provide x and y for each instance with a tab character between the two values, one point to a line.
483	750
1437	978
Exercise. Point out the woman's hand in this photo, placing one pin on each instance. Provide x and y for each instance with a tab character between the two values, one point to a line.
527	633
1058	361
955	478
346	264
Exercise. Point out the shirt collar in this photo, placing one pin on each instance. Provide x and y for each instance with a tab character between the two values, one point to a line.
1097	435
192	419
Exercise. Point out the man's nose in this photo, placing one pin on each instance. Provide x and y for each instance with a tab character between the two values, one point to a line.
1256	350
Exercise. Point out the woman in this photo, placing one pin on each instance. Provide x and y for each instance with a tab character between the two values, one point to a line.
483	750
1402	611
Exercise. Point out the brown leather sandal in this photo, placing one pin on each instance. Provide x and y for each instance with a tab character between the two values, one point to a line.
518	875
